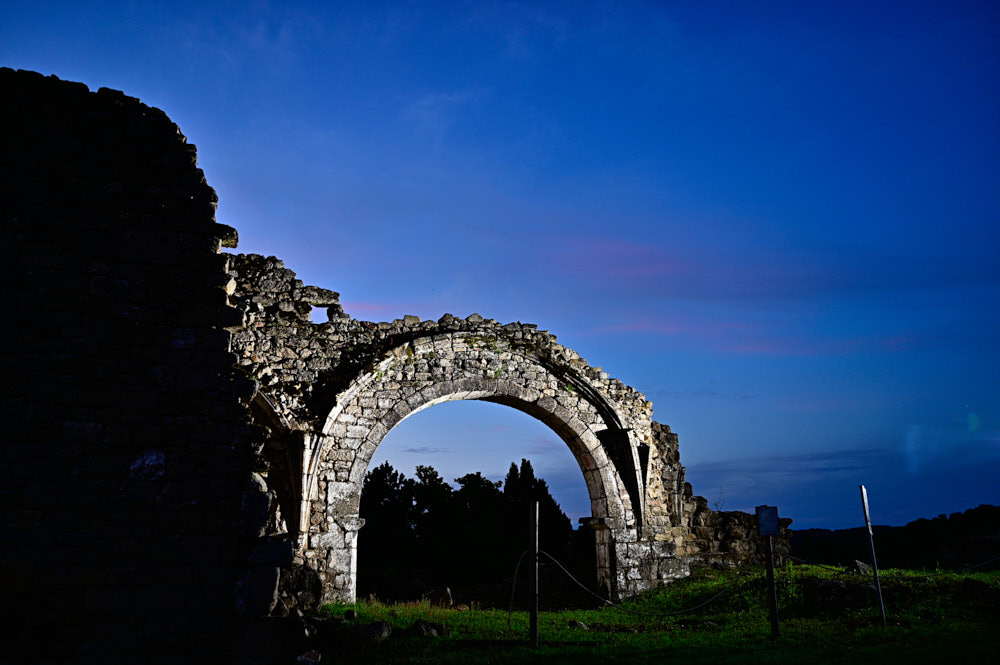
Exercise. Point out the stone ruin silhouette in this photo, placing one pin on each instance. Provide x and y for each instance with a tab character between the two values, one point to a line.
184	448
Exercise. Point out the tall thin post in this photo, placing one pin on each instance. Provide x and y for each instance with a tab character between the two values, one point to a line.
533	578
871	547
772	589
768	526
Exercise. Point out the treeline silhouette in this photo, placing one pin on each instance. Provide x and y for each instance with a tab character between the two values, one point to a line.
421	534
947	541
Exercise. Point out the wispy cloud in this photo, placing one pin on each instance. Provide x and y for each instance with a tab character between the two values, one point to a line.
916	453
742	332
543	444
705	393
260	37
610	257
677	325
425	450
820	489
433	114
925	449
748	269
811	346
802	465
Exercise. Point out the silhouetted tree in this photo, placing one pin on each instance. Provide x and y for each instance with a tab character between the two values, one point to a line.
961	539
435	536
478	507
388	497
422	534
388	508
521	488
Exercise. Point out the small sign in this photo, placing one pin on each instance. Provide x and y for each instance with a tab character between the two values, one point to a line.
767	520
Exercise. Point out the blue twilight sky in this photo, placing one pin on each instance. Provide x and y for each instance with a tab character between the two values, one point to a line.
778	220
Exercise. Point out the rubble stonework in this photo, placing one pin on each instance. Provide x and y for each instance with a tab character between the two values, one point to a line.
125	458
343	384
184	448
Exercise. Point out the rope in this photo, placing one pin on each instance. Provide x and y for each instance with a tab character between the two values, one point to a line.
984	563
609	603
648	614
723	591
513	589
953	571
811	563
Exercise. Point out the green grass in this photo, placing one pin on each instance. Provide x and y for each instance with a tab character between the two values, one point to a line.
825	617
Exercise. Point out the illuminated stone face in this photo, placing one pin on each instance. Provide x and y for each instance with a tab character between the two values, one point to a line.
344	384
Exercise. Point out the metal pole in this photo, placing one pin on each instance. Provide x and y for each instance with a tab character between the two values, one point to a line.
533	578
773	591
768	525
871	547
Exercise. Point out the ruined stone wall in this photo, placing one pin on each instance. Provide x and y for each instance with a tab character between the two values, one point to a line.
345	383
178	433
342	384
124	456
702	536
306	364
729	538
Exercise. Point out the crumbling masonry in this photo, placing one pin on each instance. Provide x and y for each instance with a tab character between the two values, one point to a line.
341	386
179	434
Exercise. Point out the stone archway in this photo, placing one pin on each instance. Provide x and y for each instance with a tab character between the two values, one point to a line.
246	409
344	384
462	366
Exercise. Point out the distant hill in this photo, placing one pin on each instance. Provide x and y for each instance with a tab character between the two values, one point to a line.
946	541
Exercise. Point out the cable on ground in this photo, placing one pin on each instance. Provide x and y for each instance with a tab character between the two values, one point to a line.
839	569
648	614
513	589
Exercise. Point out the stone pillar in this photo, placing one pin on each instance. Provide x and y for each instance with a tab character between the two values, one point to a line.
338	549
604	554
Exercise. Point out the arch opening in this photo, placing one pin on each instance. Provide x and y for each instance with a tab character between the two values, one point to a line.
493	459
279	468
566	396
609	501
468	436
545	446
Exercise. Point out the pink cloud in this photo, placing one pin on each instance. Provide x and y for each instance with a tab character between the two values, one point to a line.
741	337
619	259
809	346
713	269
676	326
542	442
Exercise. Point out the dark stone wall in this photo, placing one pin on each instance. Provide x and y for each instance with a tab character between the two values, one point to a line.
729	538
125	451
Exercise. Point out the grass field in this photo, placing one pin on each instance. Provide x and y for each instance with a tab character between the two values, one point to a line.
826	616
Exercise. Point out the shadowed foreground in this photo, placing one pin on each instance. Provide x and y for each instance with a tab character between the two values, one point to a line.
826	617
